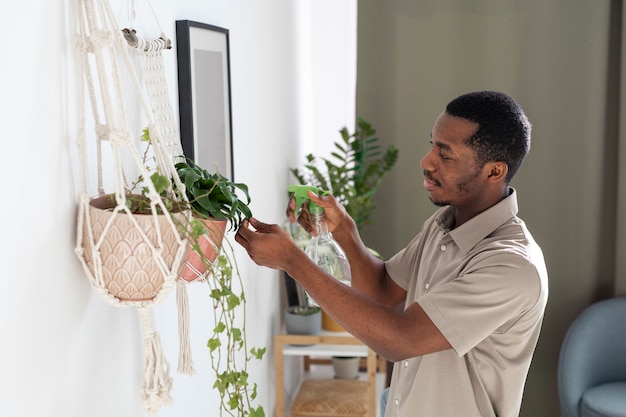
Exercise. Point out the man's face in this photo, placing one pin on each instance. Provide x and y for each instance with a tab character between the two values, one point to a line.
451	174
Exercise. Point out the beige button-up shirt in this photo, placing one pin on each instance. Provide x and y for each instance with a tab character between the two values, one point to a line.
485	286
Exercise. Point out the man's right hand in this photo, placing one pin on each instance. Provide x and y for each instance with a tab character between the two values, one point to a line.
335	214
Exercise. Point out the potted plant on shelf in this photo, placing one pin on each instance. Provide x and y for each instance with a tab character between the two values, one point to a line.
301	315
304	317
352	173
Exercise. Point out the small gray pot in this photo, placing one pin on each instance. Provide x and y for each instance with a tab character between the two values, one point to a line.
297	323
346	367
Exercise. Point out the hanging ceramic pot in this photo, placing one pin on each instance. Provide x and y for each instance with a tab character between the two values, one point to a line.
210	244
120	248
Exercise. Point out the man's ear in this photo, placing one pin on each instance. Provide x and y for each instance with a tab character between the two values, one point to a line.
497	171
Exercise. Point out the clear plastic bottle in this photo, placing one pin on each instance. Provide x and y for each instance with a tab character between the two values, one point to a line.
325	251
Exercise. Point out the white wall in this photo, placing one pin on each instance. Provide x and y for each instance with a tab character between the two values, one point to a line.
65	351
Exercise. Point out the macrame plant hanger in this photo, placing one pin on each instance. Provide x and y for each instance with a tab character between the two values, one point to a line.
151	61
130	259
152	65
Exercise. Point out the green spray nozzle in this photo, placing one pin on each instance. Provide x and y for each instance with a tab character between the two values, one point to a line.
301	194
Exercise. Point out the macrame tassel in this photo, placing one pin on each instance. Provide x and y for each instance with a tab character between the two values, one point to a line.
185	363
157	383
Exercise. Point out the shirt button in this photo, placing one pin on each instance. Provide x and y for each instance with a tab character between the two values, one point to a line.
406	364
443	248
397	402
427	286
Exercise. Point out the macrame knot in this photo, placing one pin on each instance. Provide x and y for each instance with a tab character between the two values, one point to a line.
147	323
102	132
120	137
83	44
157	383
153	196
101	39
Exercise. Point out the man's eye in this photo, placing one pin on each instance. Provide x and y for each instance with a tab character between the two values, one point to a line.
441	154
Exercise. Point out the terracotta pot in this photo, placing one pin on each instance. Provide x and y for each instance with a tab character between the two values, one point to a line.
125	257
210	244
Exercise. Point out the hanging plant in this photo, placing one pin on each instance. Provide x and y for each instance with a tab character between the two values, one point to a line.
102	58
213	195
228	340
214	199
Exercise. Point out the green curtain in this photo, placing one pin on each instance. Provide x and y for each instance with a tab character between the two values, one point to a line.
564	62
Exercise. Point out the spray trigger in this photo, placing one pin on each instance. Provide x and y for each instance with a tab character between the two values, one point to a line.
301	194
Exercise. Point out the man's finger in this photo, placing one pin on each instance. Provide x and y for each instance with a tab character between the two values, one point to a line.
259	225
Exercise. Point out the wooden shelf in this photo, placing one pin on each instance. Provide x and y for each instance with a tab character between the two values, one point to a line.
326	344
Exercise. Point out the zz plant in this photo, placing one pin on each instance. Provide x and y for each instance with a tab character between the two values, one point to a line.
354	171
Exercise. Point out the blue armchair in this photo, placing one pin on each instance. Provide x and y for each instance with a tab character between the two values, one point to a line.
592	362
383	401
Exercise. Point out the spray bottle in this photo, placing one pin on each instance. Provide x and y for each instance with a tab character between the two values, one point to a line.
322	249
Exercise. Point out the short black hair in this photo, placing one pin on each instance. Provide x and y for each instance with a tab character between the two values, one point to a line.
503	129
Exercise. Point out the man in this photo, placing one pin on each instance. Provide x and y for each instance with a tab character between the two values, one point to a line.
472	284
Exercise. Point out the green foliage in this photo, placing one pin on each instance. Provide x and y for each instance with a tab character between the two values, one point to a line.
227	340
213	195
354	172
305	310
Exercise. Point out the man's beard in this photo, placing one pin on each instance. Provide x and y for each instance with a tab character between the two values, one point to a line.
463	187
439	203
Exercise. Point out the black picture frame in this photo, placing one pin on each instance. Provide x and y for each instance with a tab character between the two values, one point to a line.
291	290
204	98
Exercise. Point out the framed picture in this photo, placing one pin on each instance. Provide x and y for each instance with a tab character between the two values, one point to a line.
204	95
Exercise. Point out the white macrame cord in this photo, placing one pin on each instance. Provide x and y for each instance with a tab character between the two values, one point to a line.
157	251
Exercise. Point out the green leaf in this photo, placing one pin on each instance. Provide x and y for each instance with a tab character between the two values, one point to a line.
258	353
220	327
160	182
213	344
145	135
213	195
233	402
258	412
236	333
233	301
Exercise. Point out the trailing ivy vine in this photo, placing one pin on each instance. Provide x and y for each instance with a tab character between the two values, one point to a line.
228	341
209	195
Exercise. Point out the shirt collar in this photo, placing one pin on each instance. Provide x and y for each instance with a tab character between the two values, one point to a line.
480	226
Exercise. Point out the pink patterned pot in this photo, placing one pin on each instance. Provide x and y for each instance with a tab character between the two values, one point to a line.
129	268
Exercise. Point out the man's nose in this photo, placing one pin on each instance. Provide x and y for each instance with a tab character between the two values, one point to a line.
427	161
